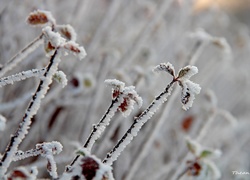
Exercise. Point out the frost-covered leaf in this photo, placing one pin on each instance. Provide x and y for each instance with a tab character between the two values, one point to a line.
165	67
75	49
130	97
193	146
53	37
61	78
187	72
67	31
189	89
206	153
117	86
40	17
213	168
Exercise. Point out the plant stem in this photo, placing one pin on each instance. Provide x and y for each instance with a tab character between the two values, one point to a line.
32	109
21	55
99	128
138	123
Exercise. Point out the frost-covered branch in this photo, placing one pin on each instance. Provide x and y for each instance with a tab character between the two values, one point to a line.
58	42
54	146
21	55
123	99
46	150
183	76
32	109
21	76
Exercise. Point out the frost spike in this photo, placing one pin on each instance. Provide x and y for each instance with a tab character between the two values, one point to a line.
21	76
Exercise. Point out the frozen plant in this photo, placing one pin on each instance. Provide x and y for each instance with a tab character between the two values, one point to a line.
123	99
202	165
189	89
57	45
88	167
46	150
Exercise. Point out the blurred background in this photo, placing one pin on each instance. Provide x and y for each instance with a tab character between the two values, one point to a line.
125	40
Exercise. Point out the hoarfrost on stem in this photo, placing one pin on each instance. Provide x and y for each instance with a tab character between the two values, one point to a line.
21	76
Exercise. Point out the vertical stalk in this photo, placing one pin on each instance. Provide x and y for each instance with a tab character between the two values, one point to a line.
138	123
32	109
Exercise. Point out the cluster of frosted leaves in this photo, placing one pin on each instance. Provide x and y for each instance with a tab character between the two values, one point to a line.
203	160
88	167
53	33
189	88
129	95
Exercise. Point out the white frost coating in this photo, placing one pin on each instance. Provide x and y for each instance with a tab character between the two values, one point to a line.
130	97
47	151
21	76
55	38
187	72
189	89
29	113
131	93
103	169
61	78
116	84
193	146
38	13
197	149
21	55
168	67
76	169
2	122
136	126
67	30
75	49
104	122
